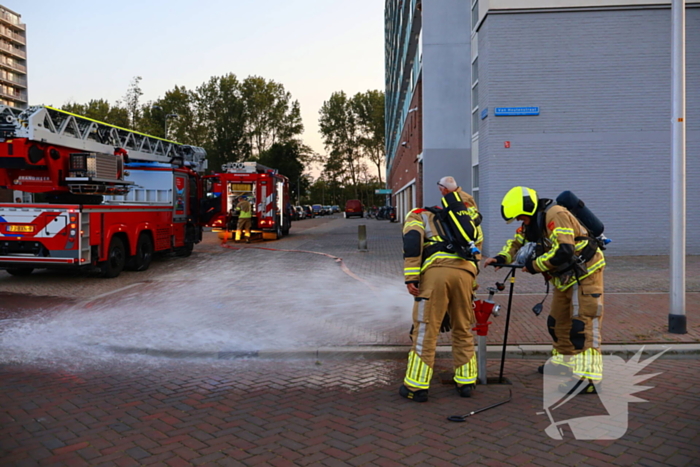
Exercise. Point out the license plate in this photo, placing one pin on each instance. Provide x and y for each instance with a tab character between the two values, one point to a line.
20	228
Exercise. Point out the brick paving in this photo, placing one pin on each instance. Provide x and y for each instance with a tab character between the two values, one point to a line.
319	413
63	408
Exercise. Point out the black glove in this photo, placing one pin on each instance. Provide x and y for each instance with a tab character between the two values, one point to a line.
530	266
500	259
446	325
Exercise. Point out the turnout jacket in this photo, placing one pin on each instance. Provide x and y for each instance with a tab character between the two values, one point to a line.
422	239
244	210
563	240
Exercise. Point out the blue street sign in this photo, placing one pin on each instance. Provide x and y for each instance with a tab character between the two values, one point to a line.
516	111
485	113
382	191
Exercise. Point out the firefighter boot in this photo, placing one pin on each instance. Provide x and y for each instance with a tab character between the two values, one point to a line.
580	386
417	396
466	390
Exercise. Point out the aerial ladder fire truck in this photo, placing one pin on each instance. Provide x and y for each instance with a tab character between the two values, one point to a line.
108	198
266	189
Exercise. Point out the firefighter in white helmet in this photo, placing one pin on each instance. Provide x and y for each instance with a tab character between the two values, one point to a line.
441	282
573	262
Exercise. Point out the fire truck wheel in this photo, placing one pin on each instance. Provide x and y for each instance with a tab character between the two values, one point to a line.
116	258
144	254
20	271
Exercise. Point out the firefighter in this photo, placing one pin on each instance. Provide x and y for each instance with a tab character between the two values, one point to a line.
441	283
244	218
573	262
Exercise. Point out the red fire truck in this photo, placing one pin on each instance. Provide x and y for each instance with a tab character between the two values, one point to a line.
107	197
267	190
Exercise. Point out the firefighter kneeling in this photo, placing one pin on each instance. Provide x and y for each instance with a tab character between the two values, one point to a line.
441	277
570	257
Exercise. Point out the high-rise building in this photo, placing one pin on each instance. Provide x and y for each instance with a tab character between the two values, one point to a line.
13	60
552	94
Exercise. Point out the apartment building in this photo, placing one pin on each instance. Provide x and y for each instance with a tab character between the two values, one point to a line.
13	60
553	94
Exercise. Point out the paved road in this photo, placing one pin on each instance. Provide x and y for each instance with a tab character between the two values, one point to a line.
82	382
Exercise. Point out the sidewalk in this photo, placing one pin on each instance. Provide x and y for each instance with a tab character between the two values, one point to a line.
340	407
636	289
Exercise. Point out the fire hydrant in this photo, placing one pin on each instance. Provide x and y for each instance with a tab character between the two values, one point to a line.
483	309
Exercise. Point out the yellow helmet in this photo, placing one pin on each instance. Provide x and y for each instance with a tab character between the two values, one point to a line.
519	200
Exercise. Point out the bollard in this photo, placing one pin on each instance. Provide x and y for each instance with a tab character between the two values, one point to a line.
362	237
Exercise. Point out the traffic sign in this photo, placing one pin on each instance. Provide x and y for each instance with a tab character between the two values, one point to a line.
382	191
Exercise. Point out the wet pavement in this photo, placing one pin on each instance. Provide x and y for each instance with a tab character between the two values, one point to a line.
84	379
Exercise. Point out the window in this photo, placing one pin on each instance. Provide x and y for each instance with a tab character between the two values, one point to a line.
475	176
475	13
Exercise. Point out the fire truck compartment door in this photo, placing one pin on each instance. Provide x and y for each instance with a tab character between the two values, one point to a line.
32	219
57	225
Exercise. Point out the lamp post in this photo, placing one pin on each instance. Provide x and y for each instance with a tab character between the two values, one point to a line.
167	116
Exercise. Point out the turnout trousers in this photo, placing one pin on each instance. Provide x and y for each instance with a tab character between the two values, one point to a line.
442	290
243	224
575	323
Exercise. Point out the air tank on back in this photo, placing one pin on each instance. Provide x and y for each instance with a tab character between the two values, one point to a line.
578	208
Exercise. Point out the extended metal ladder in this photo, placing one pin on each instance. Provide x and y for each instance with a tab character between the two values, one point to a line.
53	126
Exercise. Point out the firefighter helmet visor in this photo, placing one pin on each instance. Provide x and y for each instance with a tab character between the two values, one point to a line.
519	201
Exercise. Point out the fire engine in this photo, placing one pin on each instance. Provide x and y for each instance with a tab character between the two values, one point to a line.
107	197
267	190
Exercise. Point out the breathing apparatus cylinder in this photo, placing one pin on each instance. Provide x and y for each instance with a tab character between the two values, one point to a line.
578	208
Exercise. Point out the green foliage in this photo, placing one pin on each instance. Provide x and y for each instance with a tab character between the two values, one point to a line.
353	134
131	101
101	110
232	120
219	107
338	127
331	192
271	116
288	158
368	108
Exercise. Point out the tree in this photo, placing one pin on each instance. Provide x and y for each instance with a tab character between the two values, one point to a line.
220	109
368	108
100	110
131	102
288	158
338	126
271	115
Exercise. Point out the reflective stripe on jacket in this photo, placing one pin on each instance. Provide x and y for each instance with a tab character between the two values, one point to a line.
419	233
561	227
244	210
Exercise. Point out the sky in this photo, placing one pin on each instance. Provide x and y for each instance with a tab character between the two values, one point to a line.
79	50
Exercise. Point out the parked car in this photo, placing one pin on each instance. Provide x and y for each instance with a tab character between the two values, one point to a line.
353	207
300	213
309	211
335	208
318	209
328	210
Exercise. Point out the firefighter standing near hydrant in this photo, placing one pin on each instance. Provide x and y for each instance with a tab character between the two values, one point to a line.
442	283
244	218
573	263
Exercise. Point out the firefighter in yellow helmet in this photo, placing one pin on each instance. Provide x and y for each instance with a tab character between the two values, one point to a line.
441	280
573	262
